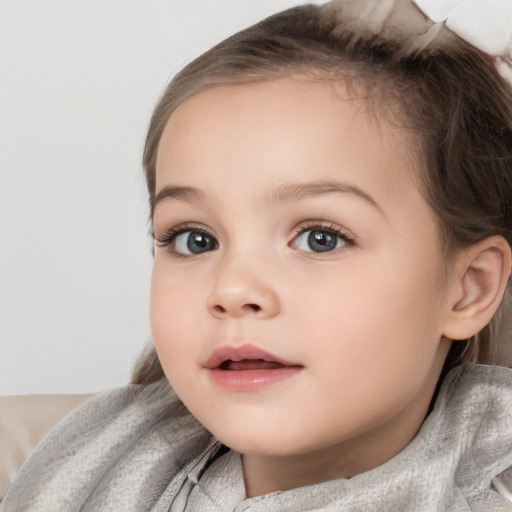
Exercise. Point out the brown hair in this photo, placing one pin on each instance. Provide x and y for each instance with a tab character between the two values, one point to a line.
448	95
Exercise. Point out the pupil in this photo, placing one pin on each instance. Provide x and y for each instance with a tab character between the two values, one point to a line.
320	241
199	242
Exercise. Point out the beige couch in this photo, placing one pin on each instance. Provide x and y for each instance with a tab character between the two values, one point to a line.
24	421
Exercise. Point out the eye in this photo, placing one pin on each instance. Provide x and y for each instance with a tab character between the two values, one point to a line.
187	242
321	239
194	242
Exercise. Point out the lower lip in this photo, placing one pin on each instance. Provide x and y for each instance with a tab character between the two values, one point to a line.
249	380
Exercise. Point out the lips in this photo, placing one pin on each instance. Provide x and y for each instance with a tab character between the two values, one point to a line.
250	364
246	354
248	368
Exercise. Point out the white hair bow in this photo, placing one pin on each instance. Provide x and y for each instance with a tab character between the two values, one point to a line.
486	24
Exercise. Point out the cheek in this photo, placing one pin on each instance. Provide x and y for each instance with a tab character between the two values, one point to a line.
173	308
372	318
366	351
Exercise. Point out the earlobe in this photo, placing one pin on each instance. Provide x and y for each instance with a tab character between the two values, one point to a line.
481	275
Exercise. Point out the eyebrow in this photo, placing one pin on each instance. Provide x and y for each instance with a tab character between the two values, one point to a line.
296	192
188	194
287	192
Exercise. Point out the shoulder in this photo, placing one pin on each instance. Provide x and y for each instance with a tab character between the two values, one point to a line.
116	440
478	411
24	421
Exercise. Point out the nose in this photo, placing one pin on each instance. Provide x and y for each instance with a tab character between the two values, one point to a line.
242	289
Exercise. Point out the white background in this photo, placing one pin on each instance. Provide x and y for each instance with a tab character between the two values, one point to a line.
78	80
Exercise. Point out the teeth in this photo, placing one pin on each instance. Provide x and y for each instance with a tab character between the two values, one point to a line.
250	364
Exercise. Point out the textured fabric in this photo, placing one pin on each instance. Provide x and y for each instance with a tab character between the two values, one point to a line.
24	421
135	450
225	473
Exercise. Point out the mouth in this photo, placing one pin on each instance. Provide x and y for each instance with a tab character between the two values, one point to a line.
250	364
248	368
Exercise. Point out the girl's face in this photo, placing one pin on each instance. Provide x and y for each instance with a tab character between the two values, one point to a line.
298	290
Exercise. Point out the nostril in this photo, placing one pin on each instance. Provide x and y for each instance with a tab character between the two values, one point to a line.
235	308
254	308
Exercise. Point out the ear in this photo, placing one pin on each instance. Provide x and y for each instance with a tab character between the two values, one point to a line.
480	275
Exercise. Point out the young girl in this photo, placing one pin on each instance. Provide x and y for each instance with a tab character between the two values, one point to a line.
331	197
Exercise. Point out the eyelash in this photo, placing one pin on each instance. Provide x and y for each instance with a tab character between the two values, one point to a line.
168	238
330	228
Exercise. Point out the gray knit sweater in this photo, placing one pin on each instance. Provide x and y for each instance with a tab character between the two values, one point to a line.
137	449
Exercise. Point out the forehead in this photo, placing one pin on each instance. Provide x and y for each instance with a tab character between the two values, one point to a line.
283	130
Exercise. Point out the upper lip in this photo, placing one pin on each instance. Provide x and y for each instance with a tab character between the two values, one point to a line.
232	353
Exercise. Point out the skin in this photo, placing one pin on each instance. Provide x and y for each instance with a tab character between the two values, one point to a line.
364	321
